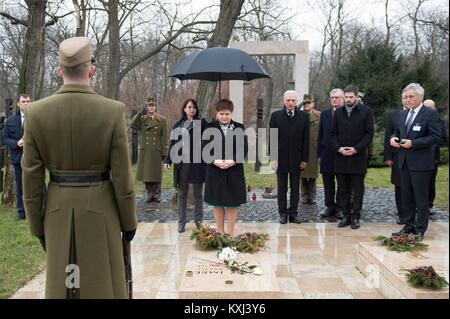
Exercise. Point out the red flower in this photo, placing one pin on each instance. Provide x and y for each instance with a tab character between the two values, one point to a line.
400	239
157	116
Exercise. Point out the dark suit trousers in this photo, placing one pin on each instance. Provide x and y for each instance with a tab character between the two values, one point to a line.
432	191
19	193
347	182
183	188
415	189
398	200
282	183
329	187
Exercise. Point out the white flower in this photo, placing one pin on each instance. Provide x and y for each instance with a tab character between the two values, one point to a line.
257	271
228	253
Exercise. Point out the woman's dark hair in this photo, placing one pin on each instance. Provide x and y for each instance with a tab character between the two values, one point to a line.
183	113
224	104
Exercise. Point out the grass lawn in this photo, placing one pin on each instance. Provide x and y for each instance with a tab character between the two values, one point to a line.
22	257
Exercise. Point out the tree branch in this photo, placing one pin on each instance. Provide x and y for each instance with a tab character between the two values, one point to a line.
13	19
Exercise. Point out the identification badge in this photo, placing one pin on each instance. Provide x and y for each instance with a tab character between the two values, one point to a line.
416	128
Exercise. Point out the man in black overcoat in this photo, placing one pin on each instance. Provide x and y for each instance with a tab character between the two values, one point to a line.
326	154
351	134
437	154
415	138
391	155
293	154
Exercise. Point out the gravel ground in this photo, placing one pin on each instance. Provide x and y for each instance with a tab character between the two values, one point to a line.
378	206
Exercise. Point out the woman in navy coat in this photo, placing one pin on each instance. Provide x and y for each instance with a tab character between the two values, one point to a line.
225	181
189	167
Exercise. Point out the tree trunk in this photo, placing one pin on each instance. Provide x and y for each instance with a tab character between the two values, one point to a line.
80	11
229	12
112	76
9	198
34	43
29	79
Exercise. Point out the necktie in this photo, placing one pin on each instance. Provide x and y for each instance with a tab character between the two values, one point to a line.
290	113
410	120
332	111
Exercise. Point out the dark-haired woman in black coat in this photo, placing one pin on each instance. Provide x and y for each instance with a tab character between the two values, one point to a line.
189	167
225	181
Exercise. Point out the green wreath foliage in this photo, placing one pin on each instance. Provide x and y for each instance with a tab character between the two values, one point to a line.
425	276
208	238
407	242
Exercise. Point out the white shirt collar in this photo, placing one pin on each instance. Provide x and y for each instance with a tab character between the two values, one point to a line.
417	109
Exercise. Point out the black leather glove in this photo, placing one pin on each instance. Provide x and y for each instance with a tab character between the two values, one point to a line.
143	110
42	241
129	235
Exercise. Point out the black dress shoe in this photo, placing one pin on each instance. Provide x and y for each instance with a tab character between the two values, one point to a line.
157	200
328	212
355	223
312	201
19	218
198	225
149	200
294	219
339	214
397	220
420	236
305	201
344	222
403	232
181	228
283	219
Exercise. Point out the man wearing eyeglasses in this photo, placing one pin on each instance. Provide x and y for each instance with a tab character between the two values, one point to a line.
293	154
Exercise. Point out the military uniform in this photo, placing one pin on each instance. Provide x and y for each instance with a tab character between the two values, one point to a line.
81	138
311	172
152	151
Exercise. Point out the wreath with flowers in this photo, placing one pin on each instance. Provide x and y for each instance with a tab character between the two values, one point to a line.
208	237
425	276
403	243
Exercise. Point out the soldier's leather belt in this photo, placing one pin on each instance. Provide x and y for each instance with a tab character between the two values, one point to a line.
79	178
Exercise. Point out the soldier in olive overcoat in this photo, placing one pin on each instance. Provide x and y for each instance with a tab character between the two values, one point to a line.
152	149
311	172
81	138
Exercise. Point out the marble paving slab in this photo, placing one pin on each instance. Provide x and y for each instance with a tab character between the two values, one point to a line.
383	269
211	281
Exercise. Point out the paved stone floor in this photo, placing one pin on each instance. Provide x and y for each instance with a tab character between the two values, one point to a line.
310	260
378	205
315	259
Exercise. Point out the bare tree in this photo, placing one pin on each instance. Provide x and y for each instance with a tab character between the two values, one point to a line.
229	13
265	20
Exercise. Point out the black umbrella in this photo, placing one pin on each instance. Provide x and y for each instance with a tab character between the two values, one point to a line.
219	64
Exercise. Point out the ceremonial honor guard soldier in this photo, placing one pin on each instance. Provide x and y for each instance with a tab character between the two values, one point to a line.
153	148
81	138
308	180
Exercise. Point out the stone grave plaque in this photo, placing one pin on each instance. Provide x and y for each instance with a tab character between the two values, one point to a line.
200	279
